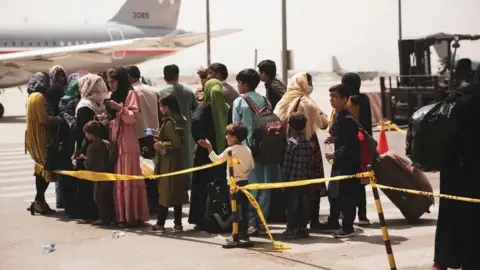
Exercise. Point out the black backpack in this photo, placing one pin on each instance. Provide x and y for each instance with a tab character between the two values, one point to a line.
269	137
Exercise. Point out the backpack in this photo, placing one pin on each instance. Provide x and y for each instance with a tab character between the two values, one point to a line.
368	148
218	214
269	136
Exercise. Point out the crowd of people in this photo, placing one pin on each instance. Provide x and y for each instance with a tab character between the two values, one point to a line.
98	122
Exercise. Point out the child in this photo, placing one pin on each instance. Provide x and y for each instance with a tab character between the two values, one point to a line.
295	166
236	133
98	160
172	191
343	195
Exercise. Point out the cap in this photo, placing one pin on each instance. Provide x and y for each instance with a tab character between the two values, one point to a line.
133	71
202	70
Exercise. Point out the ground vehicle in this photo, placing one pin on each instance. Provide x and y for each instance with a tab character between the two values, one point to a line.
416	86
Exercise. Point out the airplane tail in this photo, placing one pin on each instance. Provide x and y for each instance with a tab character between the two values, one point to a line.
335	65
149	13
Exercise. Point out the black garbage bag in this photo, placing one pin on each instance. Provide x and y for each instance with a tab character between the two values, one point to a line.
432	129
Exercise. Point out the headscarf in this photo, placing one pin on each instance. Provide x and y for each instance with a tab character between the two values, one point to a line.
73	90
38	83
57	87
54	74
123	87
213	94
73	76
93	92
297	94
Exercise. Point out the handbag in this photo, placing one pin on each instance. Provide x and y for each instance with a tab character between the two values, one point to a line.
114	145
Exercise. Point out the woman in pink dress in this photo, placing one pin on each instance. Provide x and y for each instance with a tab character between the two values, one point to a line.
130	196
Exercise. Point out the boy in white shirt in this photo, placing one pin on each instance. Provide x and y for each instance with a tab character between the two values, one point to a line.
235	134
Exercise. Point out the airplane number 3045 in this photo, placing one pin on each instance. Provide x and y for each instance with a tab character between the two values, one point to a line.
141	15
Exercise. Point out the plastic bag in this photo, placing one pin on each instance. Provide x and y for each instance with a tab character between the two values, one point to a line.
432	130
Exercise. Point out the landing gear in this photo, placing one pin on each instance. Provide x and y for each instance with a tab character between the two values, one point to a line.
2	110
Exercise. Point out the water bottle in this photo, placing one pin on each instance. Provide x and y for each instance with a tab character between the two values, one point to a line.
151	132
48	248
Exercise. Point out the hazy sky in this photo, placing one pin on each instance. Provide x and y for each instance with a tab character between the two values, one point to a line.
361	33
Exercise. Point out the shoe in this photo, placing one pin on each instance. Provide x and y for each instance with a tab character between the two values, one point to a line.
178	228
303	233
290	234
344	234
436	266
241	238
327	227
253	231
364	222
157	229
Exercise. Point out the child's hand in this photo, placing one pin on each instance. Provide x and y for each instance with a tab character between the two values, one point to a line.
329	140
205	144
329	156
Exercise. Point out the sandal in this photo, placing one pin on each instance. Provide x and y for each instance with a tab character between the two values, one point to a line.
157	229
37	208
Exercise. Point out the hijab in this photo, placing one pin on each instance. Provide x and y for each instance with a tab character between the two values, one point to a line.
93	92
73	76
213	95
123	87
72	91
38	83
297	93
57	86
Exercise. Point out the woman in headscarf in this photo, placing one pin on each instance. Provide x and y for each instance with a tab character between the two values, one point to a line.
297	99
457	236
37	138
130	196
73	76
92	92
208	122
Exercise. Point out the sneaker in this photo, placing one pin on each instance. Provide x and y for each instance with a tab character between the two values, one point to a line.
290	234
157	229
438	267
253	231
241	238
344	234
303	233
327	227
178	228
364	222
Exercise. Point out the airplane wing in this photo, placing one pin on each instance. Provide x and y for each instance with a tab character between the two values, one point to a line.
42	60
187	40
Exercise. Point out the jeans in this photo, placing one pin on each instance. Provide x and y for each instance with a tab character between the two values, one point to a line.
242	209
314	208
163	213
297	208
348	207
262	174
362	203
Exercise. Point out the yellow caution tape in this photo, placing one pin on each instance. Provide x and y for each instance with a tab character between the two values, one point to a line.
255	205
306	182
99	176
426	193
389	125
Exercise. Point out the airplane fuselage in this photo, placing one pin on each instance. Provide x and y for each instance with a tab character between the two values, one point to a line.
28	37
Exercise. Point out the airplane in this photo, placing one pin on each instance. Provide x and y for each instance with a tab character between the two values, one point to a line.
364	75
139	31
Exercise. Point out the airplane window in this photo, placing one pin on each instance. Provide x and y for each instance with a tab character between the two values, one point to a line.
62	43
38	43
54	43
5	44
21	43
30	44
85	42
69	43
46	43
77	42
13	43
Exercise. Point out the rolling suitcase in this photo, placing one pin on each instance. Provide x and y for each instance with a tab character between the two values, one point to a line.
396	171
